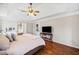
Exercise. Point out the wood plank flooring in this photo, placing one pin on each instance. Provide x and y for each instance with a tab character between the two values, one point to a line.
52	48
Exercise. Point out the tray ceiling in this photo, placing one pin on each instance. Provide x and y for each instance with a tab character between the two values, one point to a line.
11	11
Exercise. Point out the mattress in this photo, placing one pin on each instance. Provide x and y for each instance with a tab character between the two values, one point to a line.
24	44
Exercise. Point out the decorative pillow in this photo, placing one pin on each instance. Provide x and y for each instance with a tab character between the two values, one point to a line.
8	35
13	36
4	43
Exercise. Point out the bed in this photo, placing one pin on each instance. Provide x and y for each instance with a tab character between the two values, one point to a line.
26	44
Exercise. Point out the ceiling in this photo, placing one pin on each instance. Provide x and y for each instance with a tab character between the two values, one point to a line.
11	11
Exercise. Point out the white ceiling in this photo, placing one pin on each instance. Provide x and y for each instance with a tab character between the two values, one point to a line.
11	11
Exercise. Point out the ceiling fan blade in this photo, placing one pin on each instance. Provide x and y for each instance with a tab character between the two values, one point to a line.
34	14
37	11
27	14
23	11
30	10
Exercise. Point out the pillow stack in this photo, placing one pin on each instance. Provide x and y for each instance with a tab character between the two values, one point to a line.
5	40
4	43
11	36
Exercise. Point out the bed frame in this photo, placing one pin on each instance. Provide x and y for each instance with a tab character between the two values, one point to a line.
33	51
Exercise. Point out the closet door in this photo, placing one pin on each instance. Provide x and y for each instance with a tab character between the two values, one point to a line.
30	28
22	27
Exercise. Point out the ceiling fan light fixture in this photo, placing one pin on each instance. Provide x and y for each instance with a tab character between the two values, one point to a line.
31	11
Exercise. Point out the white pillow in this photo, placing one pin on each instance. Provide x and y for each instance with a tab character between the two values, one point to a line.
9	36
13	35
4	43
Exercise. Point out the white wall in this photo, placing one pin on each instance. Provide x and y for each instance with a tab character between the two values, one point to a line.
8	24
66	29
26	27
0	24
75	31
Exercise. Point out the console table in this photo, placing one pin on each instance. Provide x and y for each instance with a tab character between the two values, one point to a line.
46	36
19	33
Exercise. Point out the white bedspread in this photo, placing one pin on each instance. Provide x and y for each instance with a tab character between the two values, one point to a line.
24	44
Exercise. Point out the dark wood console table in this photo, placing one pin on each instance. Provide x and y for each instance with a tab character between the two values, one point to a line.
46	36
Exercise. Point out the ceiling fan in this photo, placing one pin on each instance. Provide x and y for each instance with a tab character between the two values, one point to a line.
30	11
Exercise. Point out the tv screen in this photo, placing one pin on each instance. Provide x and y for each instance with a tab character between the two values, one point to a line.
47	29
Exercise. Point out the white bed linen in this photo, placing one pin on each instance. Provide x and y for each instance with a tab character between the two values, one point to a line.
24	44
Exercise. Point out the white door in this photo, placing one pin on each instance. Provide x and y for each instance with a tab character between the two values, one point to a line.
30	28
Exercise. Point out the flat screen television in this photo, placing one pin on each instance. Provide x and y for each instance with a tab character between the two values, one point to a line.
47	29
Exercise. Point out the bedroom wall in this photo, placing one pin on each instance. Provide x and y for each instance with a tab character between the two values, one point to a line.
65	29
75	31
0	24
26	28
8	24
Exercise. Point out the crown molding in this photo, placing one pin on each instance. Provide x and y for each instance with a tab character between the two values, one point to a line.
57	15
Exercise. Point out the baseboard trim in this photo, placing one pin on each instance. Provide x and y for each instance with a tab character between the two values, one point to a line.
76	47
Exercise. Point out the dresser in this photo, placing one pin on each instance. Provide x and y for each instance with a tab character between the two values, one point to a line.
46	36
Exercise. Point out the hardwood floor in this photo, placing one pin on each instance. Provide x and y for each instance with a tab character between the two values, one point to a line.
52	48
